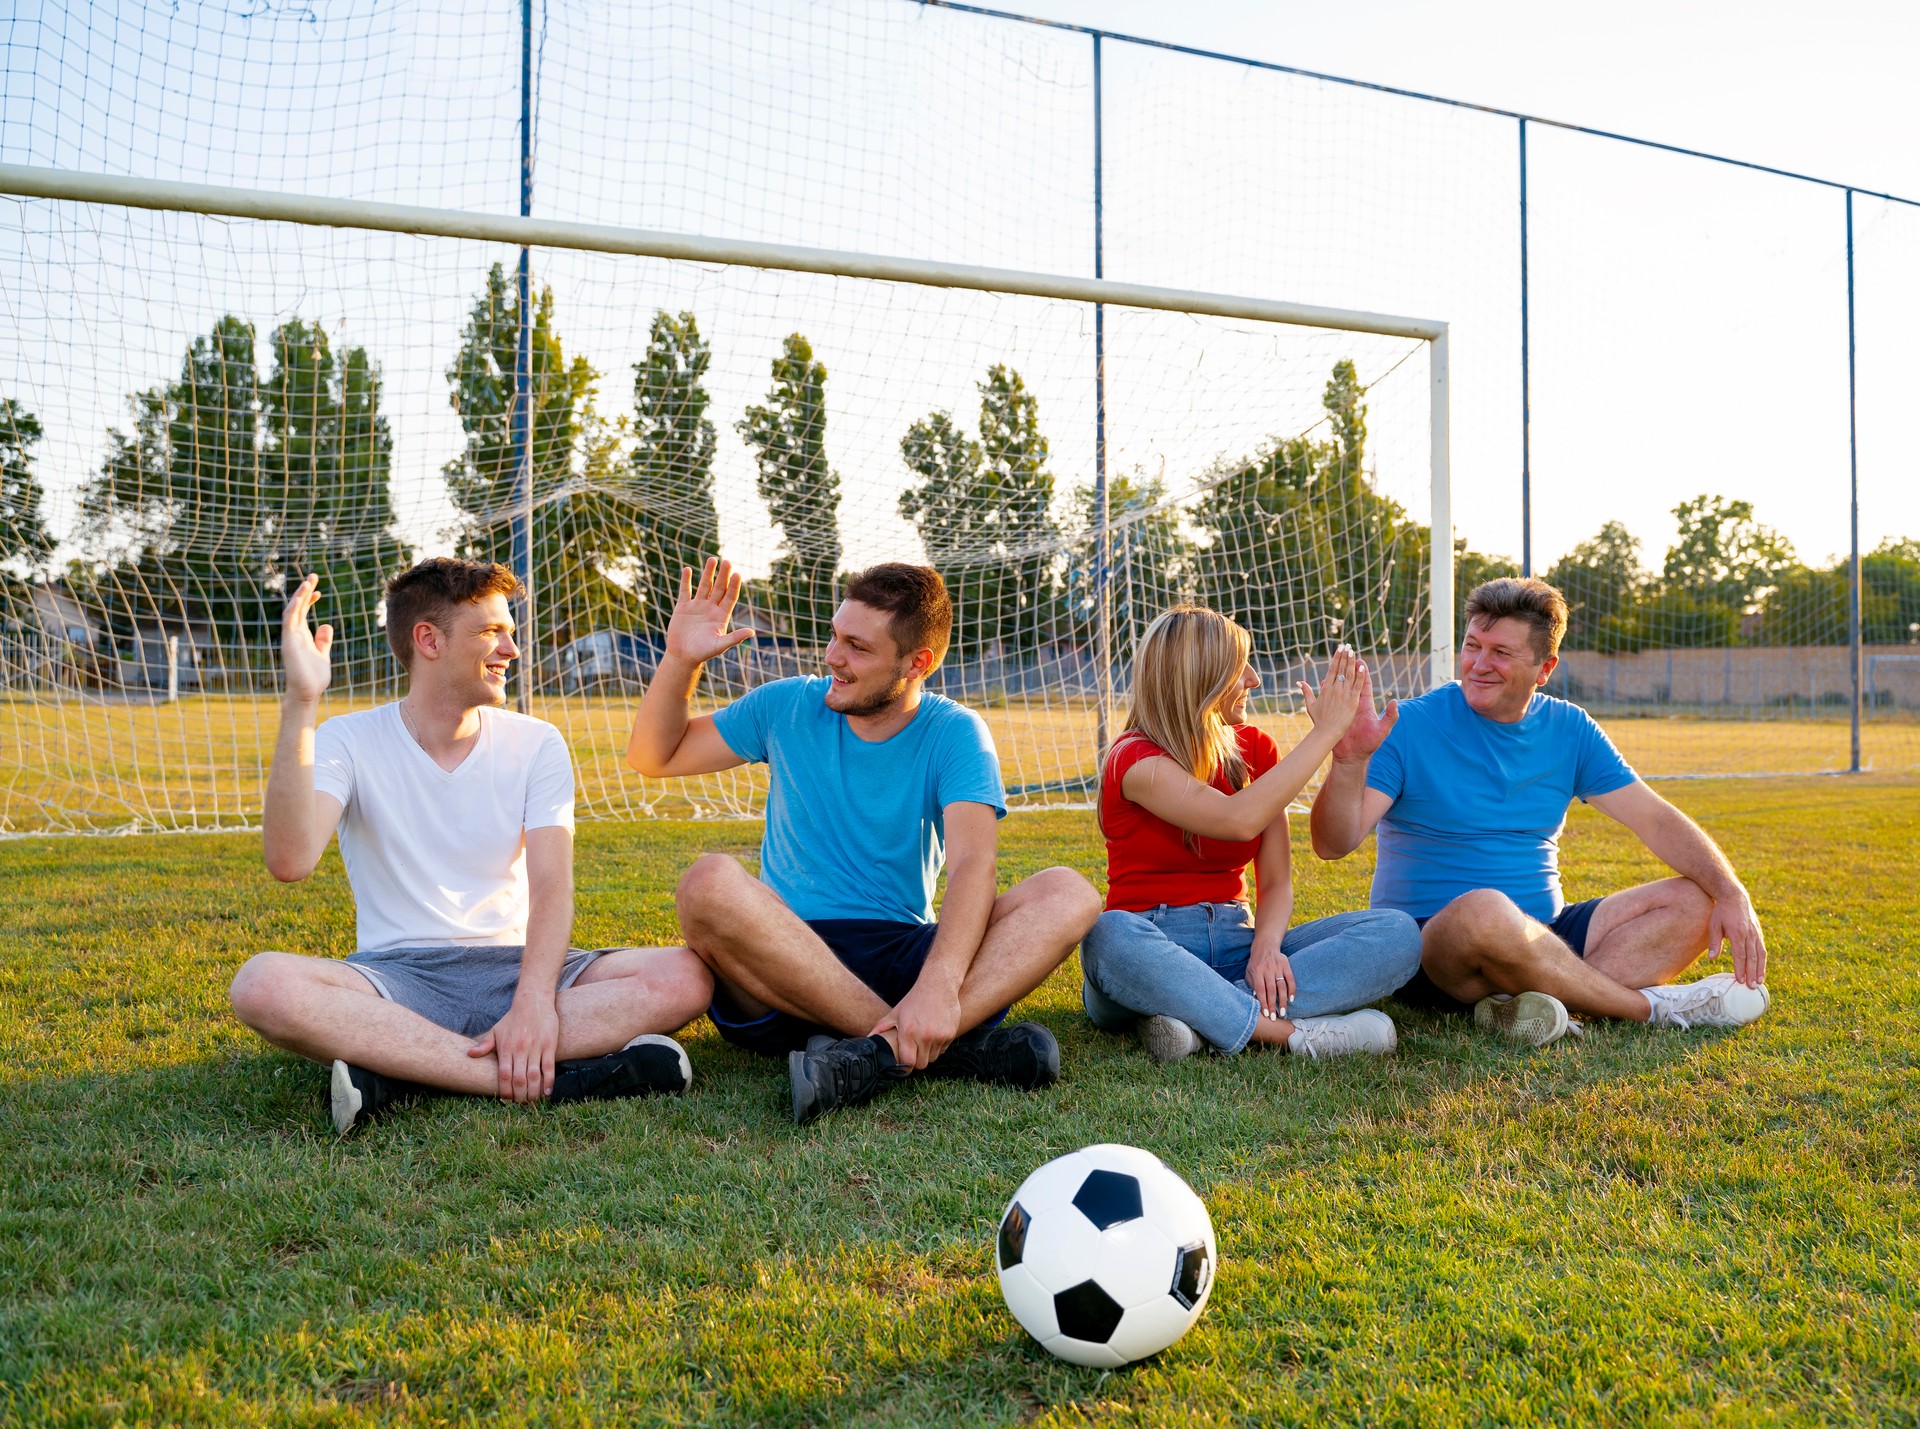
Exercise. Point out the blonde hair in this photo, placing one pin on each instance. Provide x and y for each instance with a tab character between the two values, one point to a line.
1185	663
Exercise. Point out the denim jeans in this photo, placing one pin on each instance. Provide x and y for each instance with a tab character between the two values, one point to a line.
1190	962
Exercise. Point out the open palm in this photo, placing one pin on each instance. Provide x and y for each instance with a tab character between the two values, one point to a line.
1370	728
698	630
304	652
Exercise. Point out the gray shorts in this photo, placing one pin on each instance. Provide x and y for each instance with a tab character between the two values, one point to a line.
463	989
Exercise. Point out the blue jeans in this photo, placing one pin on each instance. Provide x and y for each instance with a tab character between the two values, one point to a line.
1190	963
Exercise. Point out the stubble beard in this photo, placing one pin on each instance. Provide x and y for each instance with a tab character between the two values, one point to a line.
879	702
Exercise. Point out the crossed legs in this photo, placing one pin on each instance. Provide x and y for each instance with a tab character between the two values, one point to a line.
1481	944
323	1009
766	959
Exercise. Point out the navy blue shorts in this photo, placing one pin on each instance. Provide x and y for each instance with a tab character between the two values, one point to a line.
1570	927
885	955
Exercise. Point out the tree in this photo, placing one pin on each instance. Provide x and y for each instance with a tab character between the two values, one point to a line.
578	529
672	461
1722	554
1890	594
800	488
1303	551
1150	557
1806	607
179	514
24	539
1602	578
984	513
328	454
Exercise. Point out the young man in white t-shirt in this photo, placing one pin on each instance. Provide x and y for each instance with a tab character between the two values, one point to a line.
456	826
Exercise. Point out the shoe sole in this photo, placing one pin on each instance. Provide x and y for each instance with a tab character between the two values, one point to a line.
656	1039
1167	1039
345	1098
1533	1018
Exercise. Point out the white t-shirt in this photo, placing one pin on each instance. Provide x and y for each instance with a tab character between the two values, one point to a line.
439	859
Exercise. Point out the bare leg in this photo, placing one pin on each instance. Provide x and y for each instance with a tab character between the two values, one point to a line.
765	958
1645	936
1034	926
322	1009
1481	944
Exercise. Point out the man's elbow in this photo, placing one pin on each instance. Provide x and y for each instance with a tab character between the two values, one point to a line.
643	763
287	866
1328	849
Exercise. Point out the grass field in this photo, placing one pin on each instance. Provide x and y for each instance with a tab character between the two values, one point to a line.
1641	1227
201	763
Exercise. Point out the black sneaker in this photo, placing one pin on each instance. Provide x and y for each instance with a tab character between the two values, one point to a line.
356	1095
1024	1056
831	1074
649	1065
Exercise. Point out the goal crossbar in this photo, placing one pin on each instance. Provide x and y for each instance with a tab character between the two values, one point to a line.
30	181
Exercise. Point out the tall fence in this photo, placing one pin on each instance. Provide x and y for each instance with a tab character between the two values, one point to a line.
1679	381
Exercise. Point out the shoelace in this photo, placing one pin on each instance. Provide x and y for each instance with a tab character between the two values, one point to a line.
855	1074
1312	1038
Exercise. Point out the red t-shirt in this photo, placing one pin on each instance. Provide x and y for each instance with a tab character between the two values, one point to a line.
1148	861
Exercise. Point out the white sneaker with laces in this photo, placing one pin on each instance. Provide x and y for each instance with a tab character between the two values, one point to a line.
1168	1039
1721	1000
1368	1030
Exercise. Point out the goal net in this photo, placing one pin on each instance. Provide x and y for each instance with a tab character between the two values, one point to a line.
202	409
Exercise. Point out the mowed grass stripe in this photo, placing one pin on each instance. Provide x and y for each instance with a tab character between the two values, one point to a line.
1641	1226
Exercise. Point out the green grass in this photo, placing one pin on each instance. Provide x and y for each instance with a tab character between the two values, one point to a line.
1644	1227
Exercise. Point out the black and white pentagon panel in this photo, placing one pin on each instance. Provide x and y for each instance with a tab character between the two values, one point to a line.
1105	1255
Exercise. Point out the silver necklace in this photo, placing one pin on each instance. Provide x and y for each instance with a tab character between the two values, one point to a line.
407	720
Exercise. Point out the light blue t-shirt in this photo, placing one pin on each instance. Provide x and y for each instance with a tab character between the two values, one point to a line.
858	830
1480	804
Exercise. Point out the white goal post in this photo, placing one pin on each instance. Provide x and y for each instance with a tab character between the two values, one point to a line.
25	181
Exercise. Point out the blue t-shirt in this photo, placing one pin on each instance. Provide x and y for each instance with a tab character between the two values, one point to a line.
1480	804
858	830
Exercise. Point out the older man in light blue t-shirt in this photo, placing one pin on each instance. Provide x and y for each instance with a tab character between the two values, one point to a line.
1469	787
833	957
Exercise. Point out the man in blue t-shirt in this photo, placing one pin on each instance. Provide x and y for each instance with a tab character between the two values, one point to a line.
833	956
1469	787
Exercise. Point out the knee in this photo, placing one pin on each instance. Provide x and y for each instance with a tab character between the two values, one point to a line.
1398	937
258	993
1112	940
1695	903
1485	917
1074	901
706	889
691	980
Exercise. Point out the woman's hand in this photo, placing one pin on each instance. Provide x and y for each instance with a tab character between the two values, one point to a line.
1333	706
1270	976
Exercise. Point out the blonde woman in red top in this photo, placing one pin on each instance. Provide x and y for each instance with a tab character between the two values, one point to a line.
1191	795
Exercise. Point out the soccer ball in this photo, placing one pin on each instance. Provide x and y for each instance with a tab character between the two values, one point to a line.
1106	1256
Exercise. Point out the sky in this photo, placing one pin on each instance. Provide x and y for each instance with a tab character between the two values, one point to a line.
1688	321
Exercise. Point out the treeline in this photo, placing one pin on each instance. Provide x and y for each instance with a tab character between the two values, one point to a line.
1729	580
252	467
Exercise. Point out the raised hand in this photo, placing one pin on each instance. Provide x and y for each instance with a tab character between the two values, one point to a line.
1369	729
1333	706
305	652
698	630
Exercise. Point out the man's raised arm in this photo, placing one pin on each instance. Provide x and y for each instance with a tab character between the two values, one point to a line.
666	741
298	821
1345	810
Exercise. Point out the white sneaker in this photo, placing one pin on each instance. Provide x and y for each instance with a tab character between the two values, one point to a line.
1717	1001
1535	1018
1168	1039
1368	1030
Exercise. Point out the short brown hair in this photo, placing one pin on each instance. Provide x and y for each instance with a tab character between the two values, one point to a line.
1540	605
430	590
916	600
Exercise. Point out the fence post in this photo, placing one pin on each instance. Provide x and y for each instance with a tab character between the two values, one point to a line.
1853	479
1526	380
173	669
522	553
1103	536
